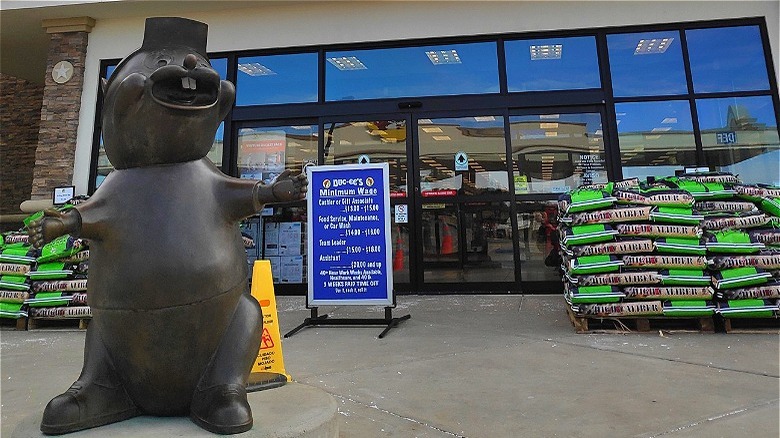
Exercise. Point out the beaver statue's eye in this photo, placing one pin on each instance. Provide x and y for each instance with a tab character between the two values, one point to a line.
158	59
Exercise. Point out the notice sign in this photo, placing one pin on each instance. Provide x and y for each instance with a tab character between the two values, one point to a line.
349	235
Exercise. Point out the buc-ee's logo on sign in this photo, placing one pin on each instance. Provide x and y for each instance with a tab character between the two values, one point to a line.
326	183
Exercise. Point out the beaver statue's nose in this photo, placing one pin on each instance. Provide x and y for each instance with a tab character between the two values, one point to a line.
190	61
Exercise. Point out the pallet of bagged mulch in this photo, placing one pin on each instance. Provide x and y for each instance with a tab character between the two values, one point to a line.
67	316
643	316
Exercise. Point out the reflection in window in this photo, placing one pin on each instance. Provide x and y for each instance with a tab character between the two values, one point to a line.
281	239
377	141
264	152
646	64
465	155
470	242
739	135
656	138
537	223
727	59
556	152
274	79
411	71
552	64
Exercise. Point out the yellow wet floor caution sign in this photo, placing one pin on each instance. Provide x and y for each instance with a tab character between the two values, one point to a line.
268	370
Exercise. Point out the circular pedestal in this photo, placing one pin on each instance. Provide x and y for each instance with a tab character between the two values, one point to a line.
293	410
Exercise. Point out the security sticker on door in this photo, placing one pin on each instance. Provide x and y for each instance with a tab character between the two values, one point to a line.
401	214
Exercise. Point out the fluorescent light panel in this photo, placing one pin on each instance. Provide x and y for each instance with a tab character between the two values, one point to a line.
546	51
441	57
652	46
255	69
345	63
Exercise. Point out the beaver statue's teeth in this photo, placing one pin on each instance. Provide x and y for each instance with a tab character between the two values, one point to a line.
188	83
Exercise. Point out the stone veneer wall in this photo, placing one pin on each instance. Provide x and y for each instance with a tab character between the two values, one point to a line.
20	117
59	116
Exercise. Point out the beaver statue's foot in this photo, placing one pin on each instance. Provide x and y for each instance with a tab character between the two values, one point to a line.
85	405
222	409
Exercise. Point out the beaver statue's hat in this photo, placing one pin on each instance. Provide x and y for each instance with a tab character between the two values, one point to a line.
162	32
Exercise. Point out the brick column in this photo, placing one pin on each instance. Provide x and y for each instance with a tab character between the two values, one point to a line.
56	151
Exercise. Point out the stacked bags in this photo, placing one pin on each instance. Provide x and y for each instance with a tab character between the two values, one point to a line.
17	258
58	279
675	246
743	241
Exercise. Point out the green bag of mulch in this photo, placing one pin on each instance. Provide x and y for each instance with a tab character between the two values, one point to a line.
61	247
717	177
14	269
593	294
769	290
684	277
757	192
584	234
771	206
769	260
732	242
579	200
658	230
14	237
605	310
594	264
667	292
14	282
48	299
676	215
13	296
609	216
769	236
660	261
688	308
680	245
748	308
618	279
708	207
731	221
739	277
654	196
51	271
18	253
619	246
705	190
12	310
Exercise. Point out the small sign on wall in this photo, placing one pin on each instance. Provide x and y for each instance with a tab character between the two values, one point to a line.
63	194
726	137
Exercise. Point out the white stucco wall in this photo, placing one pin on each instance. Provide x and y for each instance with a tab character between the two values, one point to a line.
294	24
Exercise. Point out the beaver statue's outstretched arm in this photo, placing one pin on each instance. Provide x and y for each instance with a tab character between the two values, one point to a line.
82	221
244	198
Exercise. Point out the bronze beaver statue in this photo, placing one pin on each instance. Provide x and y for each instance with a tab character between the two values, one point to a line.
174	331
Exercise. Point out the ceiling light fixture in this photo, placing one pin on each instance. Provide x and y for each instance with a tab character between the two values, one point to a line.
546	51
347	63
440	57
255	69
652	46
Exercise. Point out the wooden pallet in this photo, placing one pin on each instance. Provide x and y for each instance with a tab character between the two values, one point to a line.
752	325
20	323
37	323
639	324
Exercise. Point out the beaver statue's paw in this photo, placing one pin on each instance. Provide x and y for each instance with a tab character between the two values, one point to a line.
290	188
86	405
222	409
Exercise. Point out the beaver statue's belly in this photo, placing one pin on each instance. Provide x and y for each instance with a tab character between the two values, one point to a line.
140	291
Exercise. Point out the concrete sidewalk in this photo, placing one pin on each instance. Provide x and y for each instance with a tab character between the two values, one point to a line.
481	366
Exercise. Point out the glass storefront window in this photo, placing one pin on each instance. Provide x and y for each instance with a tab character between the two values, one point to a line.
280	238
739	135
552	64
467	242
411	71
264	152
464	155
727	59
553	153
646	64
376	141
656	138
276	79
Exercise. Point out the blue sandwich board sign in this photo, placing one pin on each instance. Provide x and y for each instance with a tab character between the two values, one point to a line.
349	246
